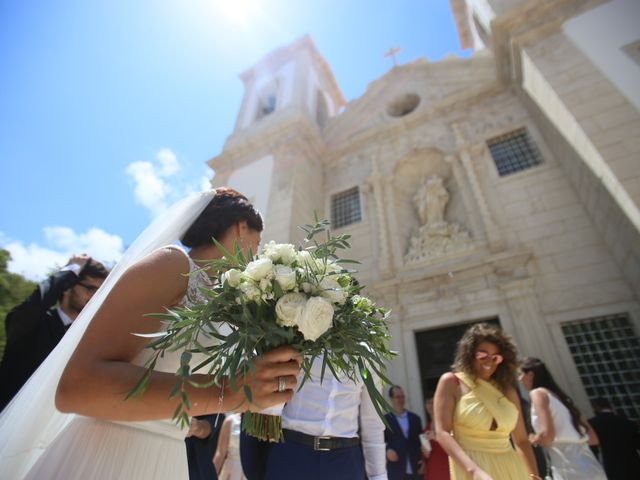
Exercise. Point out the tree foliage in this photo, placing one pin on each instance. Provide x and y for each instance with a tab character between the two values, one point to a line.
14	289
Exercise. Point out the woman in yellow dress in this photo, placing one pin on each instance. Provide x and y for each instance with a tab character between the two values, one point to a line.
477	410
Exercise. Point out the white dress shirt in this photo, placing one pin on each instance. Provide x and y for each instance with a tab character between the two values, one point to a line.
333	409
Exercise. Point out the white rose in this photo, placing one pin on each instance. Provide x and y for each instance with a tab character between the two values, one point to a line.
332	291
289	309
306	259
258	269
317	318
283	252
250	291
285	276
232	277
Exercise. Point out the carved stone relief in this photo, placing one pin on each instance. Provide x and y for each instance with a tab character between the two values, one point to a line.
435	237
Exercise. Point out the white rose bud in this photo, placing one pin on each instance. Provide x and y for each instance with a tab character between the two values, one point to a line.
305	259
251	292
285	276
317	318
264	284
289	309
232	277
258	269
280	252
332	291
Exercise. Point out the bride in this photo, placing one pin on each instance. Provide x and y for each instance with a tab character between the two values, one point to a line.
99	360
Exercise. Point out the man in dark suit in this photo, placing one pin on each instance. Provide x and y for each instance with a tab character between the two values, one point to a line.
619	441
35	327
402	439
201	443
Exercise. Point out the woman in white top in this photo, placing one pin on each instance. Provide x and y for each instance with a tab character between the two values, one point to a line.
227	457
100	359
559	427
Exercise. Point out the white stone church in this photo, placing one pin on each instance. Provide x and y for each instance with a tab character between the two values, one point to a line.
504	187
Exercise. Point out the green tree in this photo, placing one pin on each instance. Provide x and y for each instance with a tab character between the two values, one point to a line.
14	289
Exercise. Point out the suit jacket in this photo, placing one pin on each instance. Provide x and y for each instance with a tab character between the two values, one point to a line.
404	447
34	329
619	444
200	451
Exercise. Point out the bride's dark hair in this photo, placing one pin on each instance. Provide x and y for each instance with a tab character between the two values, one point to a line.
542	378
226	208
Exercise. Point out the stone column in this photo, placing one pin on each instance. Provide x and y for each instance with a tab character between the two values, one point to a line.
496	243
376	183
530	329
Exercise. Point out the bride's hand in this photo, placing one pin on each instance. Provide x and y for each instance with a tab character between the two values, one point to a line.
265	380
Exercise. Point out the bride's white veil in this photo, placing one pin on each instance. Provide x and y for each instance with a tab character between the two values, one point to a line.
31	422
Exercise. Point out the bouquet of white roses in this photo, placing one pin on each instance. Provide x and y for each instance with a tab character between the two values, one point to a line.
305	298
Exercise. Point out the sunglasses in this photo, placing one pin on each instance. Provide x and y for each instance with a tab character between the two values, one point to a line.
495	358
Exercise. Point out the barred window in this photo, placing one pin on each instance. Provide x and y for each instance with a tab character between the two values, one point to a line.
514	151
345	208
606	351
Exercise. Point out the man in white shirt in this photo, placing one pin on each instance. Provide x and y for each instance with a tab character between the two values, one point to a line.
331	431
402	439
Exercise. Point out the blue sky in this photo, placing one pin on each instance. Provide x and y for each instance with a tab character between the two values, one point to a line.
109	109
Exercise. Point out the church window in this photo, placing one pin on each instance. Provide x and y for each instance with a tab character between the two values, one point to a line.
321	109
606	352
514	151
267	100
345	208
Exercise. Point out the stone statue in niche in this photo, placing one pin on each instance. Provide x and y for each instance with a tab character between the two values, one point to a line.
435	237
431	200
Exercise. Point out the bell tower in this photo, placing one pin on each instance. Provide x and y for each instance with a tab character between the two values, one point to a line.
274	155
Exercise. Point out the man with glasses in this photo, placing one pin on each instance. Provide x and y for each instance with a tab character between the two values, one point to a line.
35	326
402	439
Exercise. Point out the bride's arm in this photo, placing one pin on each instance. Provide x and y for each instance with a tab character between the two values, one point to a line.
99	374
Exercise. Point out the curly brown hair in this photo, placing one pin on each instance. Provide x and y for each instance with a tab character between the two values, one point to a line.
505	374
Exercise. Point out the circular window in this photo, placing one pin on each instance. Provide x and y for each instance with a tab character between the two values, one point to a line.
403	105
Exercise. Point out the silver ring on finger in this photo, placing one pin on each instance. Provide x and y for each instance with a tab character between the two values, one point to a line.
281	384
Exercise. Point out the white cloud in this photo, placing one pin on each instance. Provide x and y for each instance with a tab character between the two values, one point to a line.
160	182
150	190
35	261
168	162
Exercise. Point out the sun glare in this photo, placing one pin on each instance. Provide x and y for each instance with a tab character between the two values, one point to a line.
238	12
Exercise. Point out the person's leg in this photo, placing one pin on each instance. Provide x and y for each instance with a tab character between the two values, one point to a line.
253	456
342	464
291	461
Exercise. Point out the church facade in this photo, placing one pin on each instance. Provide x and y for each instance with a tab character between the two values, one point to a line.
504	187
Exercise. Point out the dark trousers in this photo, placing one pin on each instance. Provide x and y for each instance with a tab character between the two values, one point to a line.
290	460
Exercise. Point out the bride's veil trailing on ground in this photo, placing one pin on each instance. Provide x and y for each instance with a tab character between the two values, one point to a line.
31	422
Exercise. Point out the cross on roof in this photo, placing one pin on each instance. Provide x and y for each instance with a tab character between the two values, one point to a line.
392	53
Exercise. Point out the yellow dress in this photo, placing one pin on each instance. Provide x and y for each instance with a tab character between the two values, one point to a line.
490	449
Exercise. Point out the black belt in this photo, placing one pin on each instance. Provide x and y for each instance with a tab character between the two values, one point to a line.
323	444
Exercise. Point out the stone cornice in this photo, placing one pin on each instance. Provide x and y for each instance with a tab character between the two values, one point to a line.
533	20
502	264
293	130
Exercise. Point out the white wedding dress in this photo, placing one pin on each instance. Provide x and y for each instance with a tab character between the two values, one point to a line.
232	467
569	453
96	449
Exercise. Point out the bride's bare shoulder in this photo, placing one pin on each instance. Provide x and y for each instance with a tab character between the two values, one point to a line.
169	259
